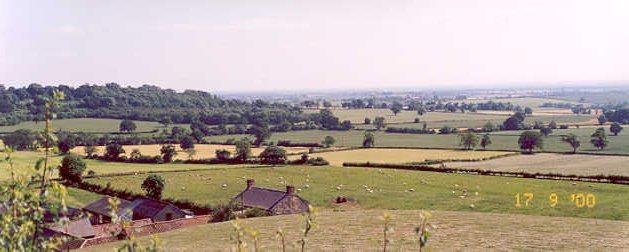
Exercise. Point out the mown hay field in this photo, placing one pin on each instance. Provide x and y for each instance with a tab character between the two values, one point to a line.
202	151
402	156
374	188
361	230
587	165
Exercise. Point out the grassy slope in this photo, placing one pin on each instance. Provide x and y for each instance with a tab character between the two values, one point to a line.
359	230
431	190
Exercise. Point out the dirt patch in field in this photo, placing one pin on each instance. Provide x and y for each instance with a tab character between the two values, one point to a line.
362	231
553	163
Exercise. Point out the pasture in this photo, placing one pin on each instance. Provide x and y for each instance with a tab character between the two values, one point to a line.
202	151
586	165
91	125
504	140
361	230
401	156
373	188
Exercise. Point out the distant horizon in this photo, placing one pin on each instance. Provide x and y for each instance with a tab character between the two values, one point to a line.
437	87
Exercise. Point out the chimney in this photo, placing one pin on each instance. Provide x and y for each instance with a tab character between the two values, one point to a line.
290	190
250	183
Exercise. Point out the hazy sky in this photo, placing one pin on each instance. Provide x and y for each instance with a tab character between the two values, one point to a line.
263	44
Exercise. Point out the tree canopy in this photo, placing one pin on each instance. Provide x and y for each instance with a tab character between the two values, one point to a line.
530	140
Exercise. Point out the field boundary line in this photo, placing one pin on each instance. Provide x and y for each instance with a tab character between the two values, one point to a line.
609	179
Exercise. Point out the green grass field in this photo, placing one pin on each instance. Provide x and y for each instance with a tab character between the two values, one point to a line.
505	140
86	125
391	189
401	156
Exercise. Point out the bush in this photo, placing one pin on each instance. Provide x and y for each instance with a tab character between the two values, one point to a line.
71	168
409	130
153	185
223	155
318	161
168	152
186	143
254	212
223	213
273	155
113	151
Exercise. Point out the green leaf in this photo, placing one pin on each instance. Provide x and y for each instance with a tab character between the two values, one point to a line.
39	163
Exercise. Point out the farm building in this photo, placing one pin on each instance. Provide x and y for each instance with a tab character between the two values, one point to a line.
81	228
155	210
100	210
273	201
138	209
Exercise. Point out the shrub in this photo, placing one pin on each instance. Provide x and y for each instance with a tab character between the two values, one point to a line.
328	141
71	168
530	140
369	140
223	213
409	130
168	152
153	185
254	212
113	151
273	155
127	126
318	161
186	143
223	155
243	150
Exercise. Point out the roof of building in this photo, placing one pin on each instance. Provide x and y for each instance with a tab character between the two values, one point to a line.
260	197
81	228
103	207
147	208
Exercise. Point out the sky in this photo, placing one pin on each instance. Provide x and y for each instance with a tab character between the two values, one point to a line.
324	44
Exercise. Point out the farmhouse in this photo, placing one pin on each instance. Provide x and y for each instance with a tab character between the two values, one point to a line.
273	201
141	208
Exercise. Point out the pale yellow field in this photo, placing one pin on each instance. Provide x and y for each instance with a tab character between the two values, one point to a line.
361	230
401	156
202	150
587	165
